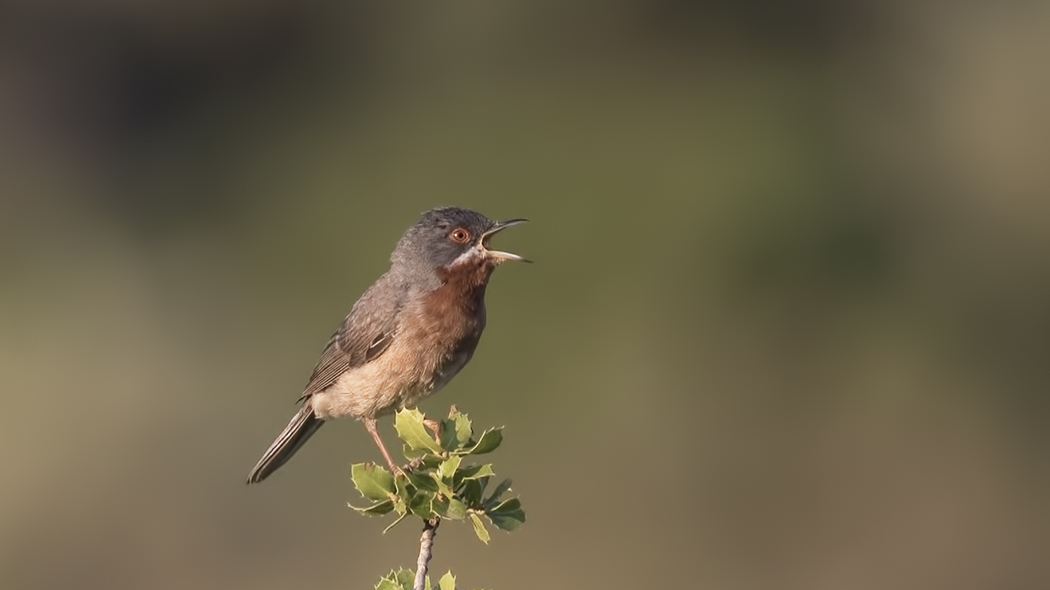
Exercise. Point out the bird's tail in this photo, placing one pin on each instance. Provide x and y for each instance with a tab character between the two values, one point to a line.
301	428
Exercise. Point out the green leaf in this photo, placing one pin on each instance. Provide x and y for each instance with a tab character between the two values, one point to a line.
472	472
422	504
445	475
489	441
476	472
377	509
447	582
401	487
374	482
439	506
448	468
409	426
402	579
443	489
502	488
431	462
448	435
479	528
456	510
508	515
423	482
509	505
403	496
411	453
471	492
463	428
406	577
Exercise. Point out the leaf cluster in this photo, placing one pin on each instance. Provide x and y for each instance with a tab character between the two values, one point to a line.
402	580
439	482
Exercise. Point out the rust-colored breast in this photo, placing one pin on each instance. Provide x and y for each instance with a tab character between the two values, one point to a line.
440	332
452	319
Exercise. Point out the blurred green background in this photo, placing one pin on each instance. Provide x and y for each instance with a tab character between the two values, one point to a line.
788	326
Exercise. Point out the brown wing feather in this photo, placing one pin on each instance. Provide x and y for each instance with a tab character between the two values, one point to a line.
364	335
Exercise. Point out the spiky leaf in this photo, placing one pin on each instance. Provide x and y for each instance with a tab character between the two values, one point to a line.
410	428
377	509
374	482
447	582
400	580
462	426
448	468
489	441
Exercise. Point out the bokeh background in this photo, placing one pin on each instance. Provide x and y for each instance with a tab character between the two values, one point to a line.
788	325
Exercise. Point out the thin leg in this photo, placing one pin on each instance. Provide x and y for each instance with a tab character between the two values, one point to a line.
370	426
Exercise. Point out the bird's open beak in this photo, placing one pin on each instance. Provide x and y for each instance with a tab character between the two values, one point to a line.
496	254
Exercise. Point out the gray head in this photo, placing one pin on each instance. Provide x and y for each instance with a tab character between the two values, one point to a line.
449	237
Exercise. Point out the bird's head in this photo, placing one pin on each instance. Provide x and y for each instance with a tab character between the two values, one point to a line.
451	240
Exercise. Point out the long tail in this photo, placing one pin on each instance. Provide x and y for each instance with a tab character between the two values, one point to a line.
301	428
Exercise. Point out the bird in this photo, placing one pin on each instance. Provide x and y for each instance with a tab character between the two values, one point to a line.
406	337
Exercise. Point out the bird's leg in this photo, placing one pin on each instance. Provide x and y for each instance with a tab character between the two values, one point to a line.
370	426
435	427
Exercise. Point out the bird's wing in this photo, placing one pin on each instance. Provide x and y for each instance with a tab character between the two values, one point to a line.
365	334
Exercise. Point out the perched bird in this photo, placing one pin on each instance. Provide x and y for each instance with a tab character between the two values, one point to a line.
407	336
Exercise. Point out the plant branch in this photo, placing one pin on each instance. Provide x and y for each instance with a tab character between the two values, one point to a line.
426	544
441	482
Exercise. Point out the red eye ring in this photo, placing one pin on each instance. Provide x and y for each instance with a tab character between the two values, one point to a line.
459	235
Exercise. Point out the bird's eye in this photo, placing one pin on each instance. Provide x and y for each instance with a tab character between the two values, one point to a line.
459	235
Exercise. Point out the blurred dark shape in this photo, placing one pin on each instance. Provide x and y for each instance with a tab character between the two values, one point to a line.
130	80
802	26
128	88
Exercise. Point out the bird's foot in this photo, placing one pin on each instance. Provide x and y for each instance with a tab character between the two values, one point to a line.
400	471
412	465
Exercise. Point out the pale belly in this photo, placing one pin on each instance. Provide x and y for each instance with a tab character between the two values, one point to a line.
387	384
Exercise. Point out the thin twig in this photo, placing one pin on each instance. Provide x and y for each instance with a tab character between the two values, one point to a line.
426	543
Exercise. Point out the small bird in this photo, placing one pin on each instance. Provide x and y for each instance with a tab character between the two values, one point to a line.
410	333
